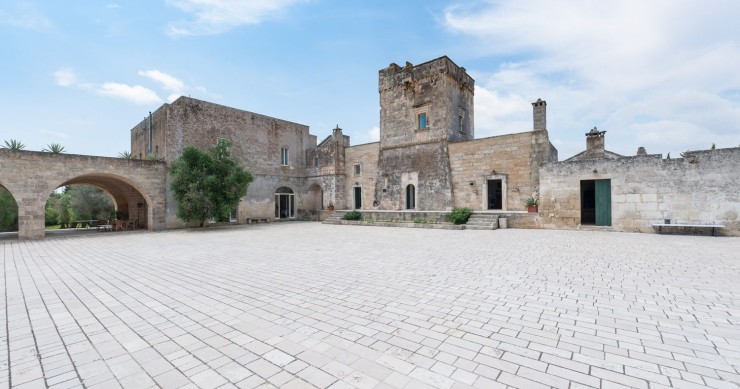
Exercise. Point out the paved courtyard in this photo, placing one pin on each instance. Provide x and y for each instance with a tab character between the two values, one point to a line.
302	305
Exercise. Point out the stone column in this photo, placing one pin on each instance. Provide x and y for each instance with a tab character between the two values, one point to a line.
31	217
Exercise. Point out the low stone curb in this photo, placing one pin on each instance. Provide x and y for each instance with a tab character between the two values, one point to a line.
438	226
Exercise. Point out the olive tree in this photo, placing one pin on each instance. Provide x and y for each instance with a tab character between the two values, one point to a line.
207	185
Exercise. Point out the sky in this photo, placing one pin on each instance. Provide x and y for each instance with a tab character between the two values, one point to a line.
662	74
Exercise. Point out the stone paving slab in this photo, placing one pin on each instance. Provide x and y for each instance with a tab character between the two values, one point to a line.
303	305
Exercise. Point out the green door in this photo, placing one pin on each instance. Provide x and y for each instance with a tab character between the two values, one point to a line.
603	202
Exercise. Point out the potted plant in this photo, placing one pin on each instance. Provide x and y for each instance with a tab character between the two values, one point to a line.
330	207
531	204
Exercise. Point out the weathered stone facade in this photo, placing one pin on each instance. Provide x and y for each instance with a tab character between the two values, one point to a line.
257	142
423	109
32	176
425	160
702	188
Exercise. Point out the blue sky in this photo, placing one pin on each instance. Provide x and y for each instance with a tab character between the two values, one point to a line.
661	74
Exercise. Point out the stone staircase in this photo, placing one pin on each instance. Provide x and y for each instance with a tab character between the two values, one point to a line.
482	221
334	218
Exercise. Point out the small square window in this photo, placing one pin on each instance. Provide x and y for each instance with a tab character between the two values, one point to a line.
284	157
422	120
358	169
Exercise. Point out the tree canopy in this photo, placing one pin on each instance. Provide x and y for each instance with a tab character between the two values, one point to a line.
207	185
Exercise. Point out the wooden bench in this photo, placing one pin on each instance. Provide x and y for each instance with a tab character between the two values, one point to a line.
714	227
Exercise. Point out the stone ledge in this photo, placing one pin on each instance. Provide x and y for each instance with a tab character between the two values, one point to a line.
438	226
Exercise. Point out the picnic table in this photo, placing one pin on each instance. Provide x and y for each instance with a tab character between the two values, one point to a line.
84	223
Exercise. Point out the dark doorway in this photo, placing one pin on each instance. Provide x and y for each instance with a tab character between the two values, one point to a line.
358	197
410	197
495	194
284	203
596	202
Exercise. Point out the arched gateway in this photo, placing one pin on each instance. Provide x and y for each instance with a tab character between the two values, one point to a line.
31	176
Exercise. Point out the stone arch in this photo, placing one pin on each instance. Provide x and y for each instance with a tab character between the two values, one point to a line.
314	198
126	195
6	188
285	202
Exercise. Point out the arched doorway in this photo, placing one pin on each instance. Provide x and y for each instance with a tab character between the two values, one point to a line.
410	197
284	203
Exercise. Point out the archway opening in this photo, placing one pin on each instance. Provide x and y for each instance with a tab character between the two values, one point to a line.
98	201
314	200
8	211
284	203
79	206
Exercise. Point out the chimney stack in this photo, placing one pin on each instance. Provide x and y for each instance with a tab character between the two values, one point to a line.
595	140
539	108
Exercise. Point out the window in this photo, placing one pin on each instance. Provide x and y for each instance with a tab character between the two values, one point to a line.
284	157
422	121
315	161
358	169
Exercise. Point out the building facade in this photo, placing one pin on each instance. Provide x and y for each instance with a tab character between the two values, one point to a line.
601	189
426	160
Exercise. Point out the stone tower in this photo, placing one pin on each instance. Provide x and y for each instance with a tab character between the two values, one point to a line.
422	109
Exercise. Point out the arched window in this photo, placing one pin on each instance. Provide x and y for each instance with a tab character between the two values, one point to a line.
284	203
410	197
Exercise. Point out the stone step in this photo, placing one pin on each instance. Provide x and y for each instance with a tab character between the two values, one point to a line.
477	227
482	222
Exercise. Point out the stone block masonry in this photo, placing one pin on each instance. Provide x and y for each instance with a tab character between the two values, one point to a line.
701	189
32	176
462	309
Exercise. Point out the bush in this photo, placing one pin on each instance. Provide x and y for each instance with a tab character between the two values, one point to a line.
459	215
352	215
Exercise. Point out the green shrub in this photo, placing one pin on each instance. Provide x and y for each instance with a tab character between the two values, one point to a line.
459	215
352	215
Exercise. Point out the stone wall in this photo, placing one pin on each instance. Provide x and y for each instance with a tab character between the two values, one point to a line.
514	159
367	157
325	167
256	143
31	177
704	188
440	88
412	154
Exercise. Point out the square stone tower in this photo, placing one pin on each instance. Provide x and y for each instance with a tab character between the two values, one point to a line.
423	108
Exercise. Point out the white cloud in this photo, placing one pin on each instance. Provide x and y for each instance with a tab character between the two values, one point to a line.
652	74
25	16
168	83
217	16
374	134
113	6
65	77
136	94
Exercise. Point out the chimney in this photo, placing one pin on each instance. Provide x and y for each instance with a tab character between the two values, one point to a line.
539	108
595	140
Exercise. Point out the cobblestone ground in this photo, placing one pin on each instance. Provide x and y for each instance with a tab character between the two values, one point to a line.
299	305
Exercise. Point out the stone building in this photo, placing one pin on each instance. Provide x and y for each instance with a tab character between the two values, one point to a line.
426	160
606	190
